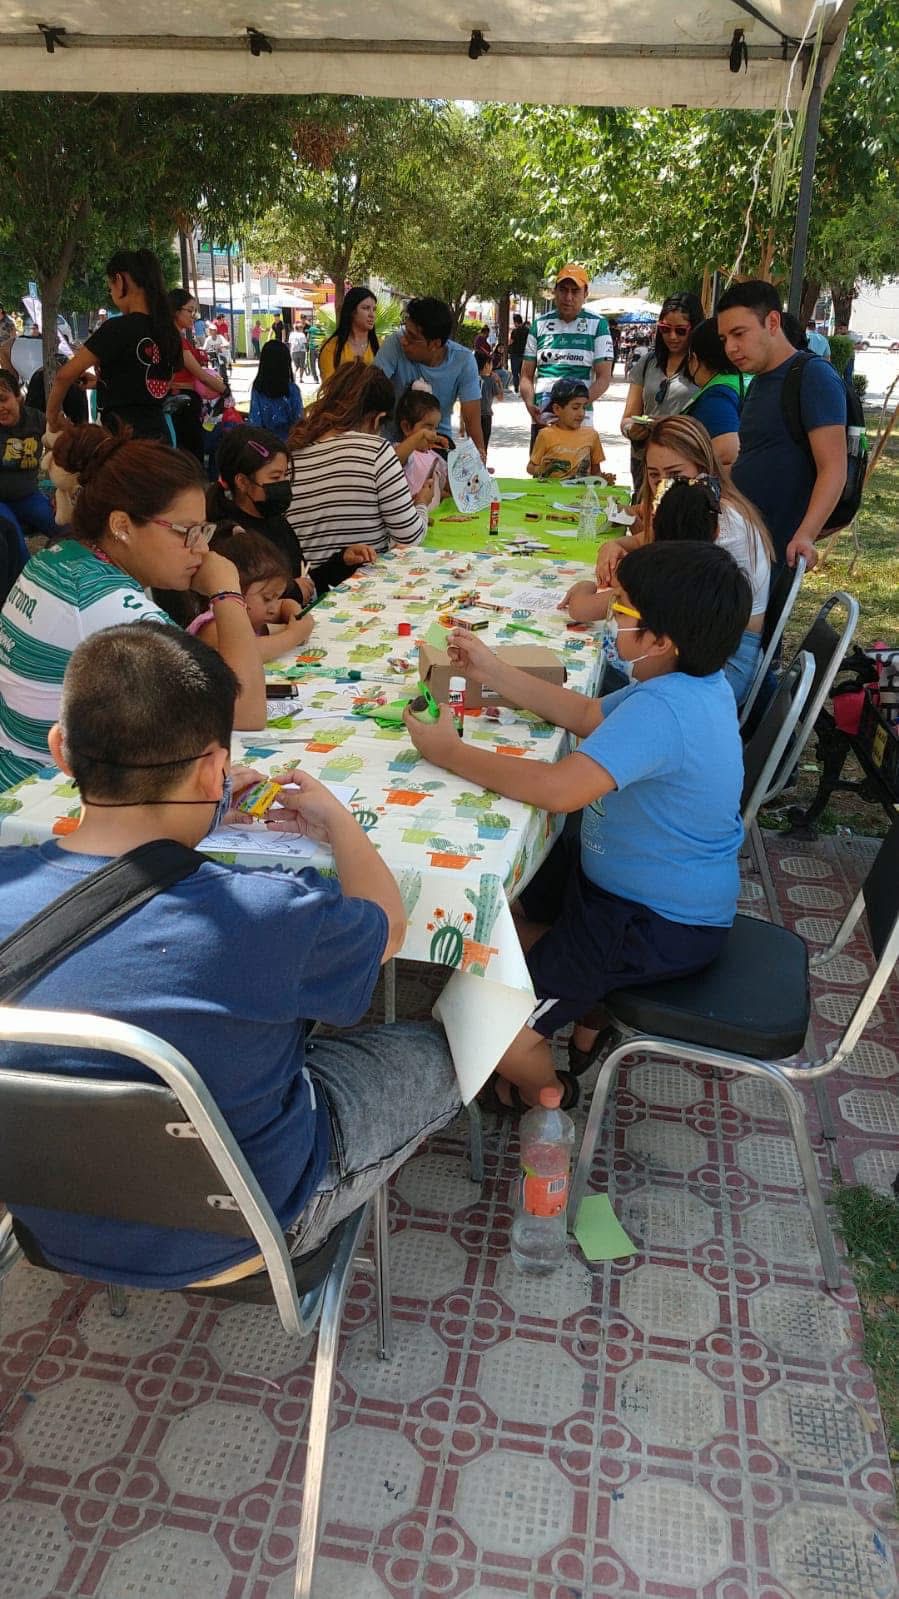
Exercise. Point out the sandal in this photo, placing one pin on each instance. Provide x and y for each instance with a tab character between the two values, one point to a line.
580	1060
489	1099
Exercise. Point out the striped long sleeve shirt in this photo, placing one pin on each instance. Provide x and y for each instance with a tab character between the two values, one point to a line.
351	489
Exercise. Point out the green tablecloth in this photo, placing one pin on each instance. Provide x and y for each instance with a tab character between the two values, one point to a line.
473	534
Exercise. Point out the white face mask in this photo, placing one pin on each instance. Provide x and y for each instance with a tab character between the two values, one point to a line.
613	629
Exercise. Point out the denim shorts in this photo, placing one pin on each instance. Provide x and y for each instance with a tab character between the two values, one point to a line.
386	1089
597	941
741	668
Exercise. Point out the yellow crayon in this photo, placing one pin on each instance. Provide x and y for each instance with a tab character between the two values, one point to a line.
259	798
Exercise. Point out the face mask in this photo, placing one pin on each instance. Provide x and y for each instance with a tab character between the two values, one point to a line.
277	498
224	804
609	642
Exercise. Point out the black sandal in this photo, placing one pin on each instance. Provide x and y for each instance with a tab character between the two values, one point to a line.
580	1060
489	1099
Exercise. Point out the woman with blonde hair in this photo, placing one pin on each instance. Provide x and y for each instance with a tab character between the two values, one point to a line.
679	449
348	483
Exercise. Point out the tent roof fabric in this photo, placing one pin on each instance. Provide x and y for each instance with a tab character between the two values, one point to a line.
661	53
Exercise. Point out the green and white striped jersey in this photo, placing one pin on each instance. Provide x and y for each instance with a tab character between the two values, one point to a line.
567	349
64	594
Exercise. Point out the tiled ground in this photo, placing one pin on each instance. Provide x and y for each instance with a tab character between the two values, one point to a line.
696	1423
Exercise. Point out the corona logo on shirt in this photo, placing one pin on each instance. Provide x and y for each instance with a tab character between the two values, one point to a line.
150	357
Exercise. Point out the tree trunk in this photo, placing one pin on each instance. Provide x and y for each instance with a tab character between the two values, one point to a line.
811	288
767	256
843	296
50	286
503	319
193	266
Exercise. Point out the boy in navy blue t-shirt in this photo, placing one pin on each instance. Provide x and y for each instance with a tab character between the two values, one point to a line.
646	886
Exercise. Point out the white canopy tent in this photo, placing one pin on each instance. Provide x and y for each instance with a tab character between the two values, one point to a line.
659	53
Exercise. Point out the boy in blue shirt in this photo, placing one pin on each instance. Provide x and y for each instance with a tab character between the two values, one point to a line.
645	887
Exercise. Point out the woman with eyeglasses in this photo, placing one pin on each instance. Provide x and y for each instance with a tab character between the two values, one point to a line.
138	522
659	384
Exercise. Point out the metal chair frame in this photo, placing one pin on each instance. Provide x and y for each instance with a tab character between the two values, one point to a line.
299	1315
782	1075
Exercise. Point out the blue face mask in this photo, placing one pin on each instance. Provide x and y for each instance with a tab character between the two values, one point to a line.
609	641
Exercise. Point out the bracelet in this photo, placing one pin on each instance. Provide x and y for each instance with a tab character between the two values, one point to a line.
228	594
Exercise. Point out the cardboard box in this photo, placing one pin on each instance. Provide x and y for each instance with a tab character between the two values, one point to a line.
436	669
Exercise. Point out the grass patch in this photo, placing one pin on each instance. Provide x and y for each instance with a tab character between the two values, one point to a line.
869	1224
875	584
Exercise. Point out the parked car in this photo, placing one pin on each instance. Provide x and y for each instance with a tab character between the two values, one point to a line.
878	341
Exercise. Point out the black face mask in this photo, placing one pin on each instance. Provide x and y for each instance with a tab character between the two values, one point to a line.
277	498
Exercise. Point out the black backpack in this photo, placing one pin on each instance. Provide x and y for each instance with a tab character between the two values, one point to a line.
850	500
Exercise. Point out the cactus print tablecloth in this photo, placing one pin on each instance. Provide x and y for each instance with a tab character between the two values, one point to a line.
459	854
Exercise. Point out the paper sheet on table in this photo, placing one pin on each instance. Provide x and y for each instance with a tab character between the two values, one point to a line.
598	1230
566	505
480	1019
257	839
622	517
531	599
505	495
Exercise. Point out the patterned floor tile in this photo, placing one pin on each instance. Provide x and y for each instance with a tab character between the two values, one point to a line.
694	1422
669	1532
513	1504
828	1552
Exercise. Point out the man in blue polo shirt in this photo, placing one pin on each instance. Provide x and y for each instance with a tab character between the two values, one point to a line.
424	354
794	487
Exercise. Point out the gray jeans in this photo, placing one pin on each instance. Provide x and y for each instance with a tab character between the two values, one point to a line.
386	1089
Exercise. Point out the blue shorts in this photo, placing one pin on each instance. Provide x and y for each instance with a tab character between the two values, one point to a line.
597	941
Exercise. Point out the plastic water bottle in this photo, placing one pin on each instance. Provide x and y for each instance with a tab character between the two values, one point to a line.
546	1136
590	510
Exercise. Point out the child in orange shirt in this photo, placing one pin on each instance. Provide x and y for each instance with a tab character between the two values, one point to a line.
566	447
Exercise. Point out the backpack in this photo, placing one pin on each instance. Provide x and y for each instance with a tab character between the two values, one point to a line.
850	500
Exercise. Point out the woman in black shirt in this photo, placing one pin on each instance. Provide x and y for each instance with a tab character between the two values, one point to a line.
136	353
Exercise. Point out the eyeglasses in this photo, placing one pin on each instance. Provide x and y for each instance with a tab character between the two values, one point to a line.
196	537
662	390
626	610
668	327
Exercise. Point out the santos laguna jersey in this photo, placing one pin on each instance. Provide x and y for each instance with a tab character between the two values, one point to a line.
567	349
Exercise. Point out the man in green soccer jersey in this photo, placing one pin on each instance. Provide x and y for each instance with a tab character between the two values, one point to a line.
568	342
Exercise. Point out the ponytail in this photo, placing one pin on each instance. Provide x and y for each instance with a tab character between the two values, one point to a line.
145	272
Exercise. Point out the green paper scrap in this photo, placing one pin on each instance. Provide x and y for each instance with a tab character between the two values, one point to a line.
436	636
598	1230
280	721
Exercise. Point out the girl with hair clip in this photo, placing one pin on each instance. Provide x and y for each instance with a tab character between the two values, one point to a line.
194	380
354	338
138	523
135	353
659	382
679	452
347	480
254	489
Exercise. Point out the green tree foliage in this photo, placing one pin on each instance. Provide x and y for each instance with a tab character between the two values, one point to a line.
665	196
86	174
469	233
340	218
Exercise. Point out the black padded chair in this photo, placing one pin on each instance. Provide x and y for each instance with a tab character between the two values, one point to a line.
161	1153
749	1011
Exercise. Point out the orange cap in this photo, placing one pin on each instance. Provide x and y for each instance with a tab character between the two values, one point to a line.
575	273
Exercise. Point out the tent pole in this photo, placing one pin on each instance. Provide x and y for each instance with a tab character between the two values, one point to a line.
804	205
